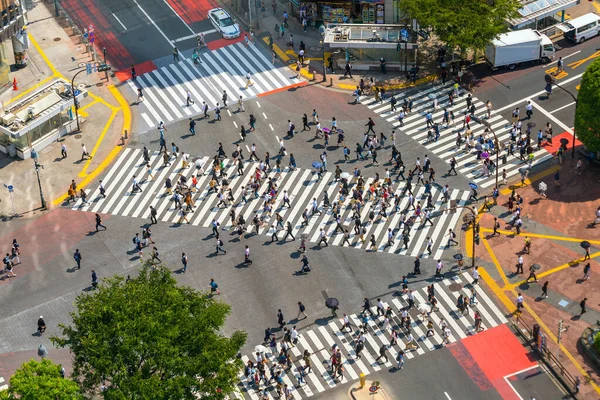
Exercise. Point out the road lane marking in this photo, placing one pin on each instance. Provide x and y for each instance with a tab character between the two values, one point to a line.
119	21
178	16
154	23
552	117
560	108
564	58
271	126
524	99
181	39
449	398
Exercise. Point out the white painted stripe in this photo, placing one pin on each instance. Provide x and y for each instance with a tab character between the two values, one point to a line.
453	221
349	349
482	295
331	342
324	355
148	121
152	22
115	190
166	101
148	94
119	21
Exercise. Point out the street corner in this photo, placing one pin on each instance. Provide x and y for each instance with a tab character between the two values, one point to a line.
508	354
45	238
371	391
142	68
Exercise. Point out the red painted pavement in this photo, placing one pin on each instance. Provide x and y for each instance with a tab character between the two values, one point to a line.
192	10
47	237
282	89
552	148
84	13
217	44
491	355
140	69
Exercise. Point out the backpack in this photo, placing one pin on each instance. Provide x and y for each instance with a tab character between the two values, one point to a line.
293	127
453	235
134	240
220	242
497	225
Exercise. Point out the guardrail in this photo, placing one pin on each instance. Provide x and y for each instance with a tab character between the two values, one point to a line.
569	382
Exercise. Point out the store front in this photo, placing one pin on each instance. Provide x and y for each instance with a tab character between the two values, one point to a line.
340	12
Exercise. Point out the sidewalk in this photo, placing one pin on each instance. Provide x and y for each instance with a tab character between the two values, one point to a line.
556	226
55	52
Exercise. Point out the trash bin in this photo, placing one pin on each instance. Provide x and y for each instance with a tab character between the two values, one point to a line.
535	331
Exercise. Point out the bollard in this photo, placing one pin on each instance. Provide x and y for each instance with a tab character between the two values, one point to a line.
363	380
330	81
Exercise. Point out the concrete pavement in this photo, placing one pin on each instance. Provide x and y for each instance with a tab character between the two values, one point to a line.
105	113
556	226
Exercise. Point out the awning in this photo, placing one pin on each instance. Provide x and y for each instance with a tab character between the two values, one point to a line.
539	9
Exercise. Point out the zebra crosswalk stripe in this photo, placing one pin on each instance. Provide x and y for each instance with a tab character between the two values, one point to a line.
320	341
121	201
444	147
165	89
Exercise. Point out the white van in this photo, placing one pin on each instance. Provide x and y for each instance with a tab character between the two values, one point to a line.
580	29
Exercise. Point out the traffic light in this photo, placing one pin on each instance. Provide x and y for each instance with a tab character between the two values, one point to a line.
104	67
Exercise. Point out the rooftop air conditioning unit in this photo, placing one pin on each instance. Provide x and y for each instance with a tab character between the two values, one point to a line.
8	119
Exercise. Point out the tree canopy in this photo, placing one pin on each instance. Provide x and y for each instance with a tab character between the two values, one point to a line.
587	118
150	338
466	24
40	381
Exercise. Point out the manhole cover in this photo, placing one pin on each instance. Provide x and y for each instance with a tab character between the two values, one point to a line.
99	84
291	62
81	64
57	39
455	287
312	48
78	136
82	86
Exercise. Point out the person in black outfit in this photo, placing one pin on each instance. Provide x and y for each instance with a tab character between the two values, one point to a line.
367	306
417	270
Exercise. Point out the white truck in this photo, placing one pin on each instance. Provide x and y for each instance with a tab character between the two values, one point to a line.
518	47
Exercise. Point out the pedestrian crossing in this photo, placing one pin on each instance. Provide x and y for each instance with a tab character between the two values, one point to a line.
301	185
319	341
165	89
445	147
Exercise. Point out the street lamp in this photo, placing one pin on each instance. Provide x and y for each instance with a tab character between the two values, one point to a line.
324	65
471	218
551	81
37	167
75	103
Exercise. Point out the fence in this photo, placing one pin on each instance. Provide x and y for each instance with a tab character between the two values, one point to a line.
530	335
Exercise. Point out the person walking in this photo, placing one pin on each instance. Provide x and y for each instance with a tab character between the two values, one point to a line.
475	275
583	306
135	185
520	265
214	287
247	259
155	255
78	258
531	274
451	237
586	271
84	153
280	319
301	310
63	150
219	247
99	222
545	290
184	262
192	126
153	214
94	279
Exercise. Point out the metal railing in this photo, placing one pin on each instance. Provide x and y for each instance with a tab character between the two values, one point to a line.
569	382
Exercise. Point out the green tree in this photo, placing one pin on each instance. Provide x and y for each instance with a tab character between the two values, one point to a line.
463	24
150	338
40	381
587	118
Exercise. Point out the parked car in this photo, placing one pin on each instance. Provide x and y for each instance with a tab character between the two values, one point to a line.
223	23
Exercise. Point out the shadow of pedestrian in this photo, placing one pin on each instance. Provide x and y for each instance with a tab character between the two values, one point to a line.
324	321
242	265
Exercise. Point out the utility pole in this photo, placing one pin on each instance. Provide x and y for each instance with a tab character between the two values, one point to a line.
37	167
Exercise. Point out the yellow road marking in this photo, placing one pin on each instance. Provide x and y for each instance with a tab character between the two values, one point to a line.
495	261
124	107
81	109
282	56
510	306
83	172
551	335
541	236
393	87
553	71
579	63
528	181
552	271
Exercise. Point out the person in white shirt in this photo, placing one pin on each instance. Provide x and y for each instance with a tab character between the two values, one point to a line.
475	276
